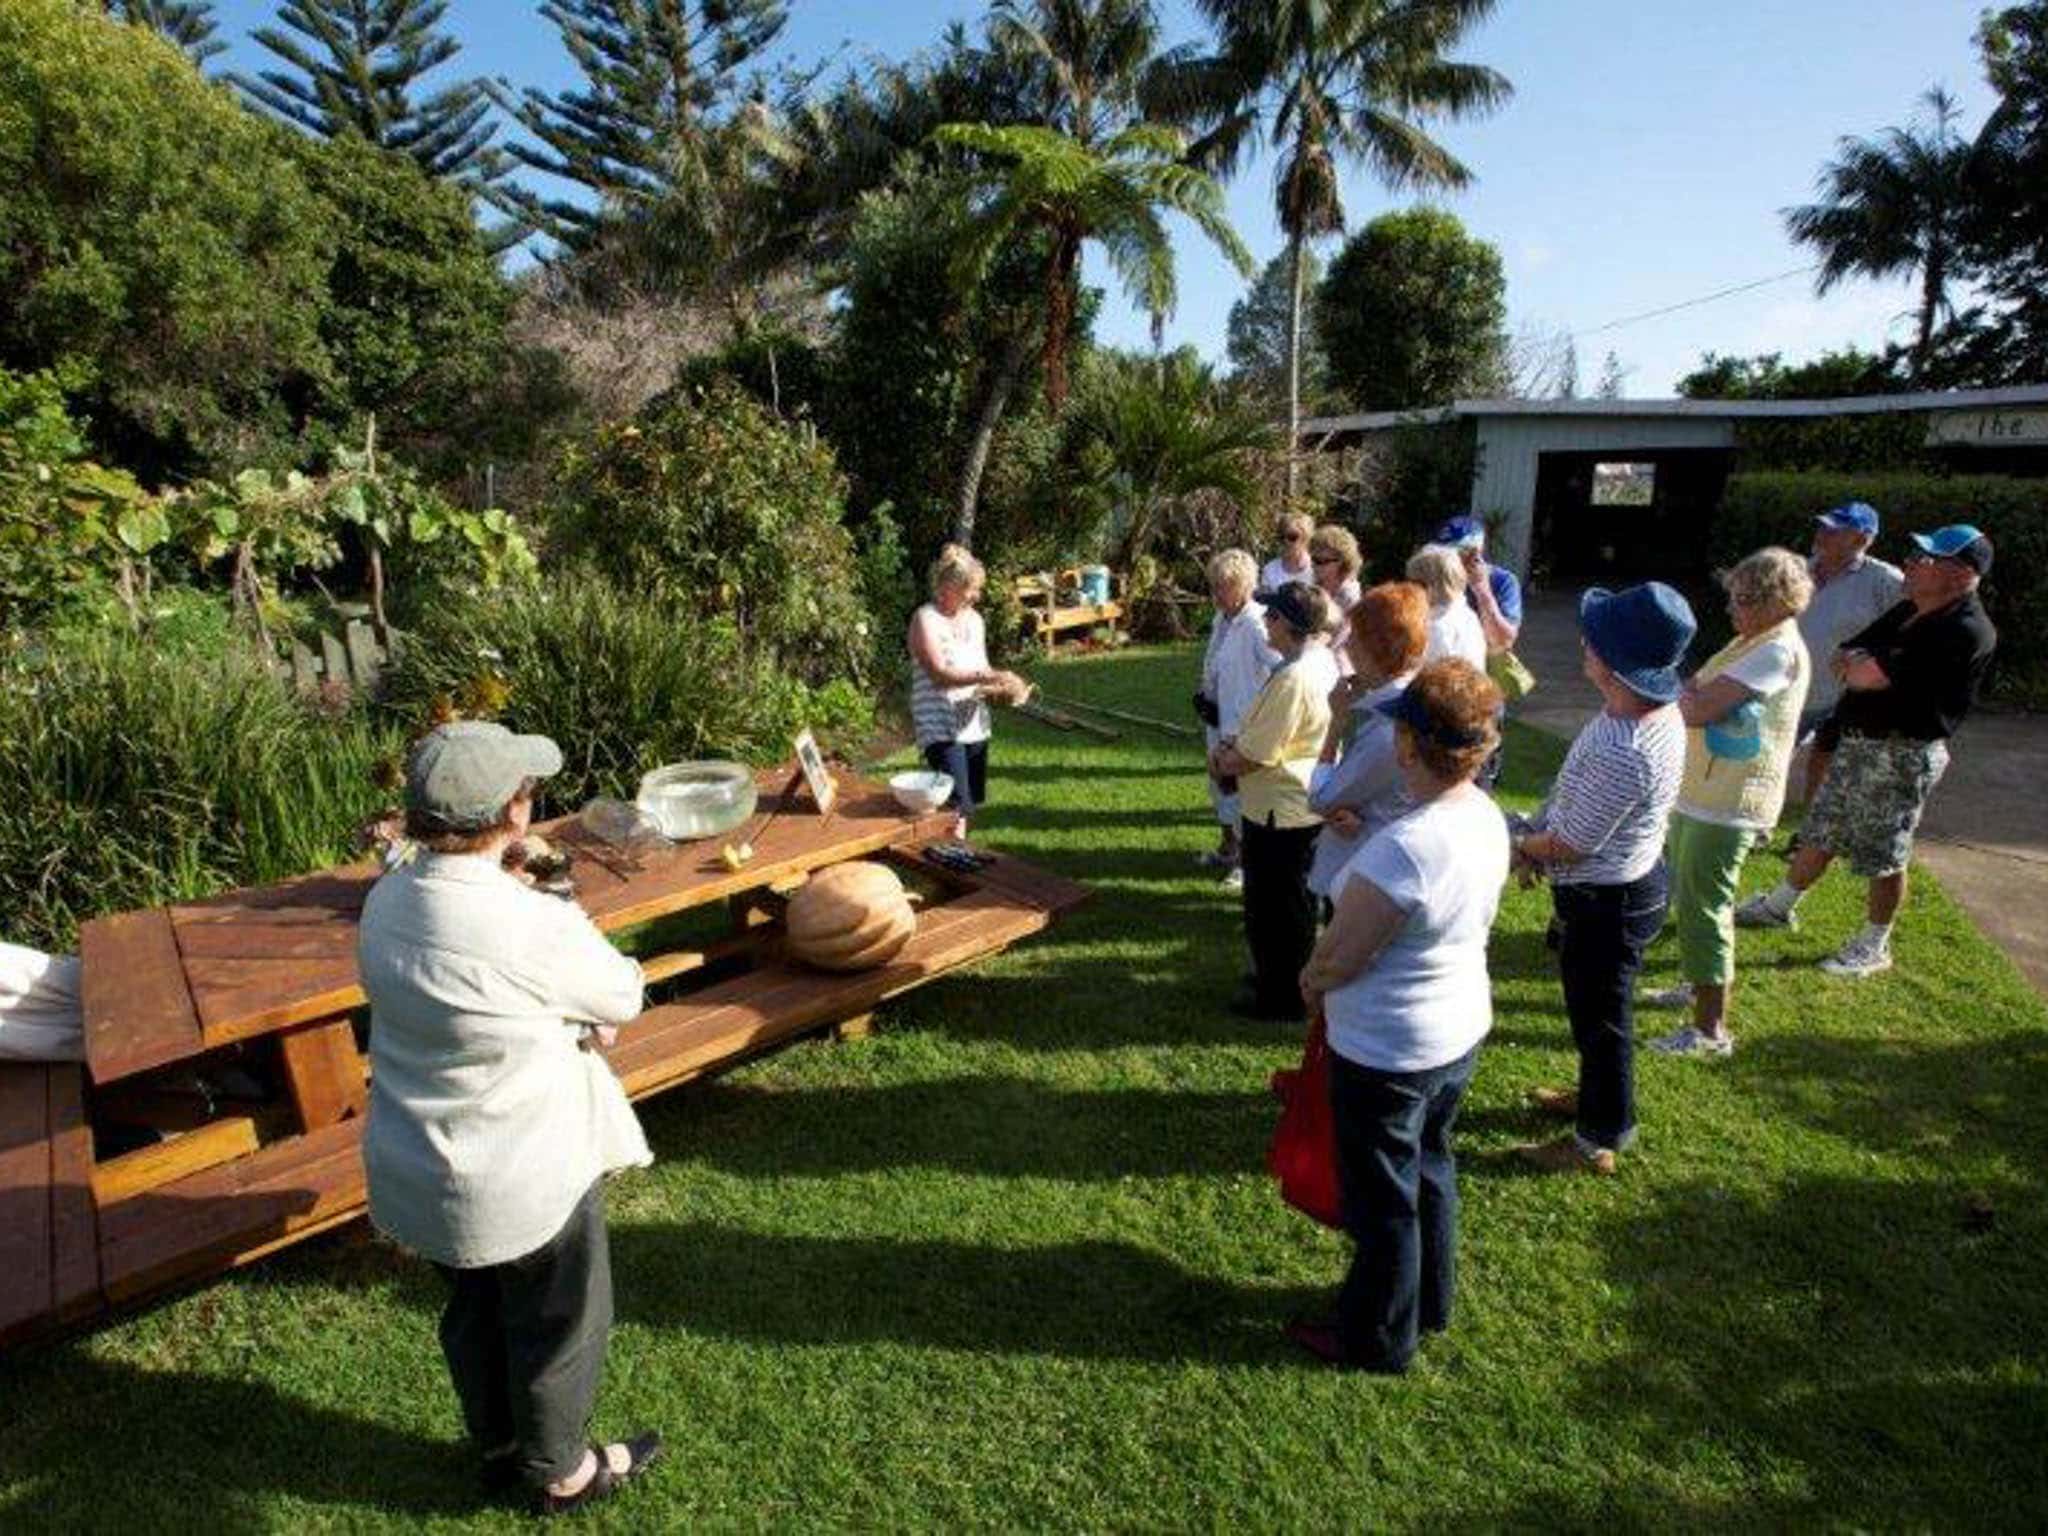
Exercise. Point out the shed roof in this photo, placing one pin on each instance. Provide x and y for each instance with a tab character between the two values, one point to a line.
1854	405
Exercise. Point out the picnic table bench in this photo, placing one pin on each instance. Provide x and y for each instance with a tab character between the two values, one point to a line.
264	981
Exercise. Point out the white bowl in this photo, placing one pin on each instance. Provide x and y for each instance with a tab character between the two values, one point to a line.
921	791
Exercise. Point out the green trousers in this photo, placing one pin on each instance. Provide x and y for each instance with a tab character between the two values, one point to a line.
1706	863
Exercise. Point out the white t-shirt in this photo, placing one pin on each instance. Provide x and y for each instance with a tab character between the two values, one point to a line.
1425	1000
1454	631
1277	573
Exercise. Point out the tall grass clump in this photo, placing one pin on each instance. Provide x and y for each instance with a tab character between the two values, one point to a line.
135	774
623	680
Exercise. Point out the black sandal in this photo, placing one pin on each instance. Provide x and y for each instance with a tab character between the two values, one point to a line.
641	1451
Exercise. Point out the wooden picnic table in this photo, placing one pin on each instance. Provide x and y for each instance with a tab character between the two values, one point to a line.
271	971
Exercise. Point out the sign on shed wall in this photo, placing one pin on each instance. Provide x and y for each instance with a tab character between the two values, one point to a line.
1988	429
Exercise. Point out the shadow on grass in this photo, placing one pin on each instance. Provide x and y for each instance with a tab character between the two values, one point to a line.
1078	1300
109	1447
1002	1127
1839	1352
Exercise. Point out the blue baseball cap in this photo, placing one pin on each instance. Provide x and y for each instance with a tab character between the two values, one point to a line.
1960	542
1461	532
1857	516
1641	632
1408	707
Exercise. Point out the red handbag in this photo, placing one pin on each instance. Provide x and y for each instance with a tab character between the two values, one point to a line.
1303	1156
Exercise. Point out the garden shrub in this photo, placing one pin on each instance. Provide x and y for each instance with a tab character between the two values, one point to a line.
707	503
1888	443
66	524
624	679
1779	508
137	772
157	239
1405	489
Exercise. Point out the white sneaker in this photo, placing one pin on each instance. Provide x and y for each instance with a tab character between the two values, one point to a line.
1690	1042
1856	958
1679	996
1233	878
1757	912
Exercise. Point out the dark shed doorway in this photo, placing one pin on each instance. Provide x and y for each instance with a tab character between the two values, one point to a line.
1627	515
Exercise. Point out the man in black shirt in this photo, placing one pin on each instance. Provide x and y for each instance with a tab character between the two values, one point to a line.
1907	682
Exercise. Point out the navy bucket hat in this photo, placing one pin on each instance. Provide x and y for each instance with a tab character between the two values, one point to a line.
1641	633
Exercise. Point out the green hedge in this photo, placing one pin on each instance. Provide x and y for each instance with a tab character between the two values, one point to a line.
1779	508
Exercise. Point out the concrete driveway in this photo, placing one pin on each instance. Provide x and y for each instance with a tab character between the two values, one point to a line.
1985	836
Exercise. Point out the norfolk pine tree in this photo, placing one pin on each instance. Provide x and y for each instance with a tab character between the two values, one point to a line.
657	73
187	23
353	66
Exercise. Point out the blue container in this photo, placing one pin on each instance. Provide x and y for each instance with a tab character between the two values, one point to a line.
1095	584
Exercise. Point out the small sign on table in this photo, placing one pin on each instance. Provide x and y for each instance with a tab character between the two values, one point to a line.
824	788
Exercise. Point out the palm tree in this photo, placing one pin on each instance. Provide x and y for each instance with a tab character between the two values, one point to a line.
1326	81
1893	205
1148	432
1064	160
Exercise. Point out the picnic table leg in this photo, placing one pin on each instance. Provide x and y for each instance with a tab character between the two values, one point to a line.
324	1072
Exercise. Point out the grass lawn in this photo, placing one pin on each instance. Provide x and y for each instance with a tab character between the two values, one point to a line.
1015	1261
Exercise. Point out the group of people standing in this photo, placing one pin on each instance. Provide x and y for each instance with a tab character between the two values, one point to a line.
1366	807
1351	735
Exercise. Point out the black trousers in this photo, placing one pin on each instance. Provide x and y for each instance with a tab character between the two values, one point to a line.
525	1343
1279	911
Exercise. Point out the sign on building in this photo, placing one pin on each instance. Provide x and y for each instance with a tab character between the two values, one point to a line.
1988	429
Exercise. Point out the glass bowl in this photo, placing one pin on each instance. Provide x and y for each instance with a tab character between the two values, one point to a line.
692	800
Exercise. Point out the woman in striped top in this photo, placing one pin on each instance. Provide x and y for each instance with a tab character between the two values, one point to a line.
951	681
1600	839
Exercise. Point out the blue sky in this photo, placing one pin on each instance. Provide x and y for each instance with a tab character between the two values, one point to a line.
1642	163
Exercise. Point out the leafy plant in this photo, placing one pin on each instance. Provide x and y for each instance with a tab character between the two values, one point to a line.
709	504
617	676
138	773
66	522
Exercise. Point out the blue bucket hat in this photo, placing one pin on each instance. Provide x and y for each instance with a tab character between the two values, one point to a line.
1857	516
1461	533
1640	632
1960	542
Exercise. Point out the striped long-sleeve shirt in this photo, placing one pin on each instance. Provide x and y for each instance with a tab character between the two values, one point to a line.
1614	794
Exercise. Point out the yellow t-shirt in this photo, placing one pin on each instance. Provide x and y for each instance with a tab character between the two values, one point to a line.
1283	733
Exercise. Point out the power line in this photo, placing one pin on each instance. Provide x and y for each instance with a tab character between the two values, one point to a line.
1708	298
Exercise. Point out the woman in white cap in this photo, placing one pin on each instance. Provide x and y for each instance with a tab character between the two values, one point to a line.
491	1122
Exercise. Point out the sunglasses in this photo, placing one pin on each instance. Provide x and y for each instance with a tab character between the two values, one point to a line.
1324	560
1290	538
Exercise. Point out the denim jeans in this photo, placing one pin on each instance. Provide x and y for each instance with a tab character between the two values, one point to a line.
1400	1185
966	763
1600	933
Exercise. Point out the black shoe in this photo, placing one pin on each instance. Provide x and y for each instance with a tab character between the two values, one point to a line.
641	1451
500	1473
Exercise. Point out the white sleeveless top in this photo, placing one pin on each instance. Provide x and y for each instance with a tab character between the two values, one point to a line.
949	714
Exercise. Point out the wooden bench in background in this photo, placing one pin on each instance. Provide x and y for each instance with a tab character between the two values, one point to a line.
263	982
1052	605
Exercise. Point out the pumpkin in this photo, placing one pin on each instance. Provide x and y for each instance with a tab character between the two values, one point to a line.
851	917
